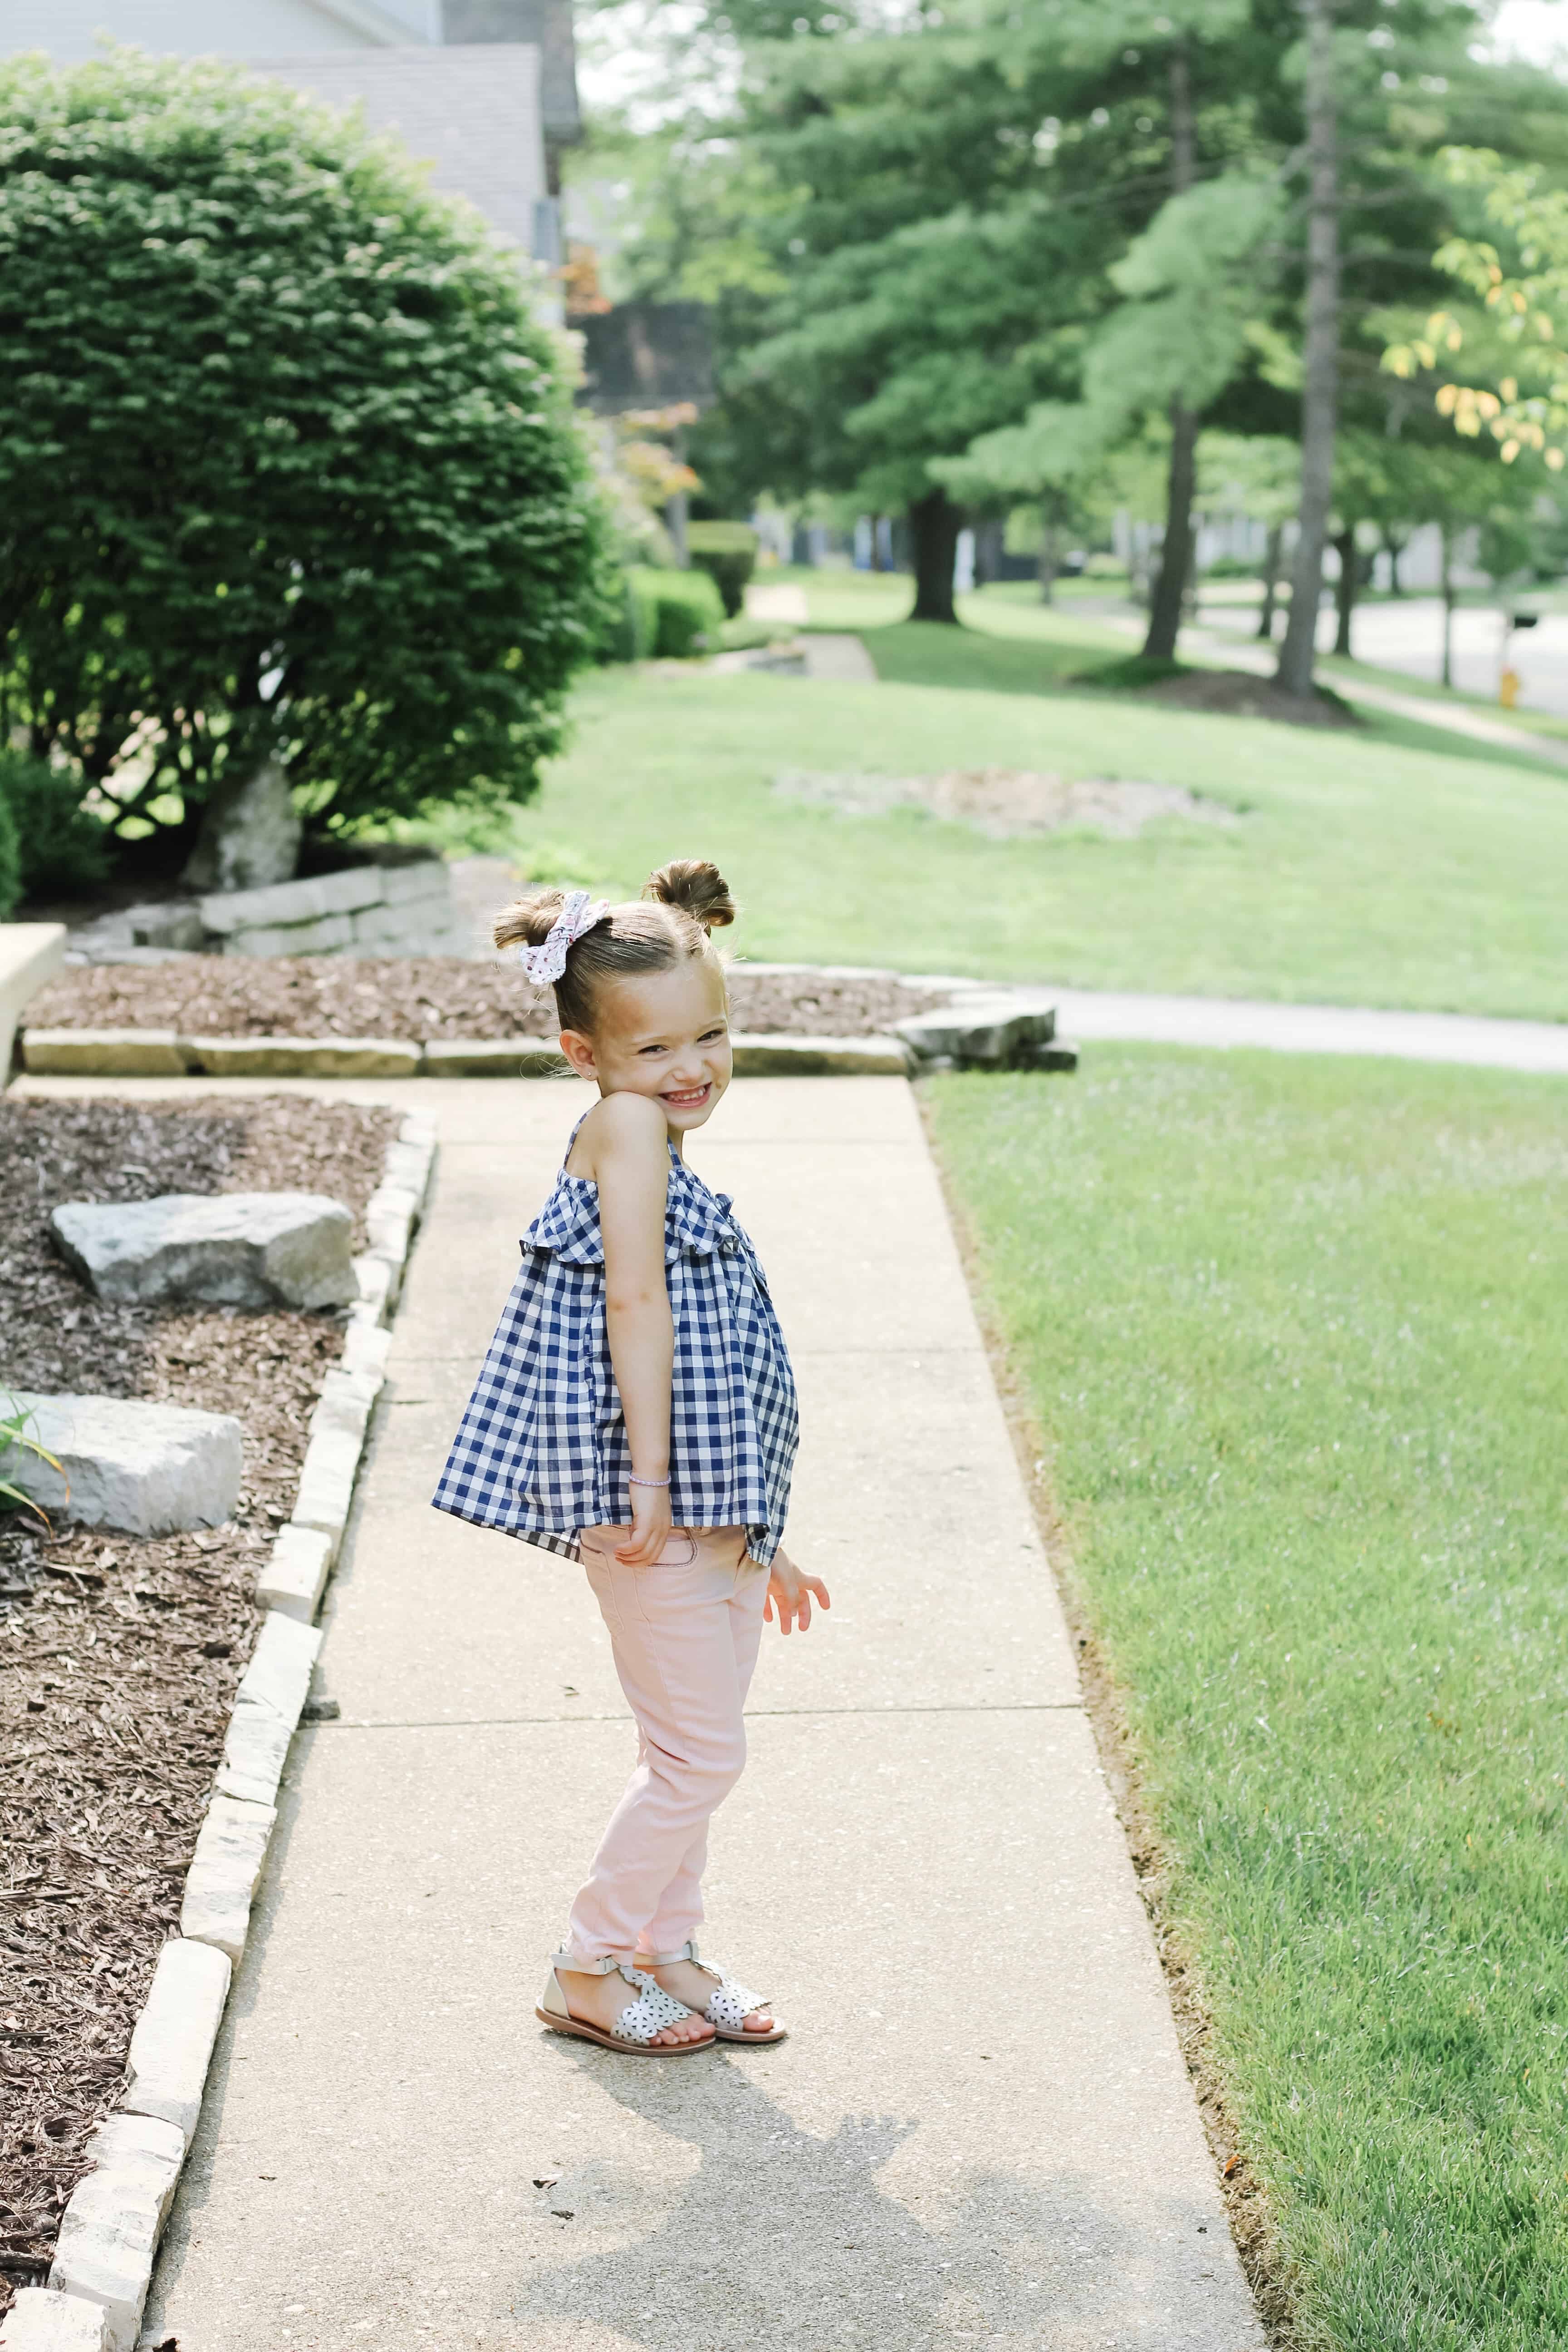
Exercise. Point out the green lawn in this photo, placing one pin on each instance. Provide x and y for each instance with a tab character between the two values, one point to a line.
1066	638
1390	866
1292	1330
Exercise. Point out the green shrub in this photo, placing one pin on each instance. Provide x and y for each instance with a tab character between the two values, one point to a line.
286	463
671	615
10	862
618	638
59	845
727	551
690	614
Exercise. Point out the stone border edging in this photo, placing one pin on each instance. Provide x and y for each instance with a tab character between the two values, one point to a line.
114	2218
983	1025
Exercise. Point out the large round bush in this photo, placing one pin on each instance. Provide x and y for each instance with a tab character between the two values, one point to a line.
287	468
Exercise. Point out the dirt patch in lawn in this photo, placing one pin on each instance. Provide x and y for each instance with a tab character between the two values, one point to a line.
120	1654
1007	804
1241	695
421	997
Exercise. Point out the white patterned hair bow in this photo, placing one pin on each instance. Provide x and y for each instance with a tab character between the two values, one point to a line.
545	963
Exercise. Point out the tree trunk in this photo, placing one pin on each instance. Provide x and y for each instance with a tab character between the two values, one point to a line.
877	542
1270	579
1176	550
988	539
1050	551
1319	388
1448	605
1345	592
1393	549
934	532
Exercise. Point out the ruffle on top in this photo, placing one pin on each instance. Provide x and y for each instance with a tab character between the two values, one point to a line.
696	1220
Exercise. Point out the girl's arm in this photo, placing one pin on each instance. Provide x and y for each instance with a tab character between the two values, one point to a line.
631	1163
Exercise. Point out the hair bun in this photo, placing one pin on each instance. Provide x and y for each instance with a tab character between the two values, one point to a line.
529	923
698	888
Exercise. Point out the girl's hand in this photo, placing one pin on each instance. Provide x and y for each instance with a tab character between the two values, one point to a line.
650	1527
790	1592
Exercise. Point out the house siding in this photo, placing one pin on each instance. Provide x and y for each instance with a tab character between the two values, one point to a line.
472	114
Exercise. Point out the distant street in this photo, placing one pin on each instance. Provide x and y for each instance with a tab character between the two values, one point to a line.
1408	635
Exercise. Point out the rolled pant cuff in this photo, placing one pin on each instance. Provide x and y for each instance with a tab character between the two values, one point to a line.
605	1964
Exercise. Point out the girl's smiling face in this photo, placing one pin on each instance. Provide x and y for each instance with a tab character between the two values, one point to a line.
663	1034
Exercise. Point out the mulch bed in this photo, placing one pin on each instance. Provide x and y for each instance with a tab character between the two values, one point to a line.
1238	694
120	1654
420	996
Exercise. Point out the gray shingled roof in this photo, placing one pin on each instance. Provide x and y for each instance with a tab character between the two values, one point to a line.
472	112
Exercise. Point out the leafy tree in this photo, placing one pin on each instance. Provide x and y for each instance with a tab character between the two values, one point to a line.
1517	349
287	471
61	846
948	198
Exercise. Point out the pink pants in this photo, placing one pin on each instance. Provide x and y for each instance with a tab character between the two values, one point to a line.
685	1634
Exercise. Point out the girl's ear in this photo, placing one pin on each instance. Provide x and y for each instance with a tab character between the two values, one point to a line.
578	1049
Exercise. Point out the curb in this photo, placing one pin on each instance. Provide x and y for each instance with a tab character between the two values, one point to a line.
109	2230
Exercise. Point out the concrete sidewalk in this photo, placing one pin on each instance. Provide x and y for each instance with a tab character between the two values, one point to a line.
1495	1045
393	2152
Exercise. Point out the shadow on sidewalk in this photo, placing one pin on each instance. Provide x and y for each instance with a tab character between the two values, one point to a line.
778	2238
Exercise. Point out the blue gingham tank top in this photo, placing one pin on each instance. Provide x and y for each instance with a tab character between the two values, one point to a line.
542	1448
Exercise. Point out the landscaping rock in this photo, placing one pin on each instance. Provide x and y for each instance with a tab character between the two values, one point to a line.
250	836
296	1575
150	1469
111	2227
40	2320
220	1886
103	1053
994	1033
228	913
172	2045
266	1707
784	1056
231	1249
328	935
302	1057
175	927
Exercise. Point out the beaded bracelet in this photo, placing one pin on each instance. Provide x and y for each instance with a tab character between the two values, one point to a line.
632	1479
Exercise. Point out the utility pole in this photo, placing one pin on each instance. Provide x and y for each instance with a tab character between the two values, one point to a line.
1321	380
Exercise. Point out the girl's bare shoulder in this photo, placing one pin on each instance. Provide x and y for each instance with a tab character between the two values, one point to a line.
625	1129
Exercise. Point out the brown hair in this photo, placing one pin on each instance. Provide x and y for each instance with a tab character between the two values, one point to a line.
690	899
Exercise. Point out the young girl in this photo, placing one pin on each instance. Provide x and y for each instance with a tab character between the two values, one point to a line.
637	1411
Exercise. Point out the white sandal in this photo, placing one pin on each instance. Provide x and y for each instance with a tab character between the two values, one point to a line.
634	2030
731	2004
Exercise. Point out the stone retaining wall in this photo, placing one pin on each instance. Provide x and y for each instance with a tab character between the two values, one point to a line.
363	911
